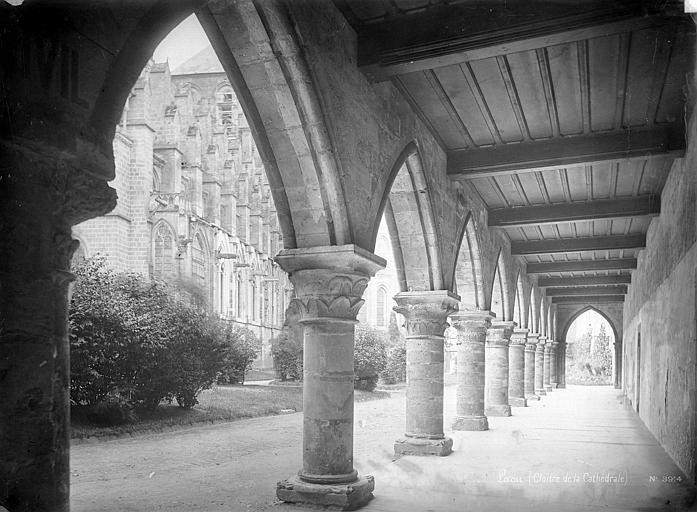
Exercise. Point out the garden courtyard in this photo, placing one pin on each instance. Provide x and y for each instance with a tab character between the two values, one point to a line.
579	448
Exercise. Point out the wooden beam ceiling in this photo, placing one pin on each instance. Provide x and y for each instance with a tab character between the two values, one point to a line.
451	34
574	212
566	282
594	243
563	152
573	291
588	299
581	266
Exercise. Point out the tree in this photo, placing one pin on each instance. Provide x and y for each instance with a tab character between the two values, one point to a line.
369	357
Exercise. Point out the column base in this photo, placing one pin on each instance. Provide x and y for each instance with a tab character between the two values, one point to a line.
540	392
517	401
554	385
421	446
470	423
531	397
349	496
498	410
548	388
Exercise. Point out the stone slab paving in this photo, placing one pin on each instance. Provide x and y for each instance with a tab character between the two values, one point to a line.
578	449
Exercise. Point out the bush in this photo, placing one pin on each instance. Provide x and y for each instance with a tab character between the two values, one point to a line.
287	358
240	348
396	367
139	342
113	410
369	357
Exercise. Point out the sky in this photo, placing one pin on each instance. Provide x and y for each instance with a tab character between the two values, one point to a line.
185	41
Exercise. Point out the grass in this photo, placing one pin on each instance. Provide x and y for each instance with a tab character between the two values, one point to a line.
219	404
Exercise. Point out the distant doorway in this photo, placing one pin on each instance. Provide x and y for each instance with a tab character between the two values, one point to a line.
590	355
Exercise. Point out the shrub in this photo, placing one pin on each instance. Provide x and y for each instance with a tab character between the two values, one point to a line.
396	367
369	357
287	358
113	410
240	347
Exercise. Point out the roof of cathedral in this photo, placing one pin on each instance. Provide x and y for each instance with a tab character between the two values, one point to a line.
205	61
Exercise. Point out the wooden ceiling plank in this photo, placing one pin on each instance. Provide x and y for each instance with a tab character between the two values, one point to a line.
575	212
593	243
567	282
562	152
590	299
574	291
582	266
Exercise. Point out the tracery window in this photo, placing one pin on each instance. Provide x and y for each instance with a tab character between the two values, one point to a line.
198	261
163	251
381	304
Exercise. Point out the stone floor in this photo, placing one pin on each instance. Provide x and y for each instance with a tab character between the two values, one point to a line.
557	454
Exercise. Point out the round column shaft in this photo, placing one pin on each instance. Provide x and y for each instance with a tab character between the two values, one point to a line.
426	316
562	365
329	283
516	368
553	365
471	335
539	366
546	364
496	369
530	346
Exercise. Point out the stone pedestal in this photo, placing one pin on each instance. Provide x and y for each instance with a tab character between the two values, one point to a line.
41	196
553	364
425	314
516	368
530	346
329	283
539	366
498	337
471	335
546	363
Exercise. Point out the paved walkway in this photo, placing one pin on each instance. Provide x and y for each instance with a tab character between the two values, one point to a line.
578	449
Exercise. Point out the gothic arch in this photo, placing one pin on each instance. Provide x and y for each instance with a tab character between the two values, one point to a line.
467	274
408	213
163	239
520	305
302	173
582	310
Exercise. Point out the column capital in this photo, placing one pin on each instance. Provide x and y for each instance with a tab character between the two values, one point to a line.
500	333
426	312
329	281
519	336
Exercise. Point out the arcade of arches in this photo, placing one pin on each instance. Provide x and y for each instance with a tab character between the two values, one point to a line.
529	161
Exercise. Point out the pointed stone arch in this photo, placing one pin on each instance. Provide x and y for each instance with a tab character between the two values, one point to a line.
467	274
163	247
585	309
520	304
408	212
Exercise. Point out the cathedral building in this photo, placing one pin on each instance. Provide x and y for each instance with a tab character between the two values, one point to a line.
194	203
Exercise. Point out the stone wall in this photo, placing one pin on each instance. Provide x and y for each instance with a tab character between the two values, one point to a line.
660	336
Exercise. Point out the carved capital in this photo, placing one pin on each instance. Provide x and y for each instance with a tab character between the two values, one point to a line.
519	337
426	313
531	341
329	281
499	333
471	326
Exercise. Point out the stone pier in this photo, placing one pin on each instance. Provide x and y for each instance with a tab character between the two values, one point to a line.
516	368
471	335
553	365
498	337
562	365
539	366
546	363
530	346
426	316
329	283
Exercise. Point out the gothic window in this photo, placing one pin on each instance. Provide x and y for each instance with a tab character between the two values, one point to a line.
238	305
253	287
163	251
381	304
225	99
198	261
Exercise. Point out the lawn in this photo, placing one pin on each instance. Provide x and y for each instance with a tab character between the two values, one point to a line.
221	403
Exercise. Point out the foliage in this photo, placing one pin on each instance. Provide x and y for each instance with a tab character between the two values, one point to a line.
370	357
137	342
287	357
591	358
396	352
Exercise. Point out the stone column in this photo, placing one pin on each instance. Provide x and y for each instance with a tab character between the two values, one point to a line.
546	363
329	283
530	345
498	337
471	336
43	192
562	365
426	316
553	364
516	368
539	366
